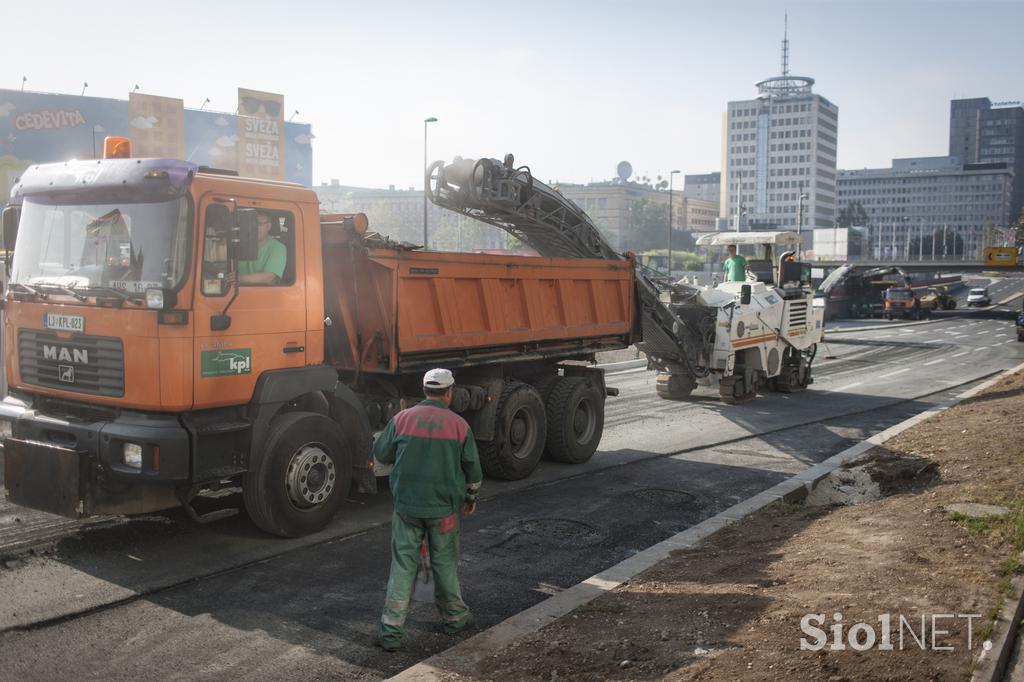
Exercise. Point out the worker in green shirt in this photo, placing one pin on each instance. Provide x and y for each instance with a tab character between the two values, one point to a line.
735	266
436	472
268	268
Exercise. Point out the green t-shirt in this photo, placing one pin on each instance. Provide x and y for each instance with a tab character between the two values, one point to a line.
272	257
736	269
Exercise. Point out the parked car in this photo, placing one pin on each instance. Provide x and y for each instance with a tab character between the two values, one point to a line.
978	297
1020	327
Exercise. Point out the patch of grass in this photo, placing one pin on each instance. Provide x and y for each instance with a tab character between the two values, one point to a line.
782	508
1009	530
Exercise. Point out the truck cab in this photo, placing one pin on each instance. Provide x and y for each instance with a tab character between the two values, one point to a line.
902	302
140	367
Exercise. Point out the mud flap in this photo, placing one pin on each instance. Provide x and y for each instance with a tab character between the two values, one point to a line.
44	477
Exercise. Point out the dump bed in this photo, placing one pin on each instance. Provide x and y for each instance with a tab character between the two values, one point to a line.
393	310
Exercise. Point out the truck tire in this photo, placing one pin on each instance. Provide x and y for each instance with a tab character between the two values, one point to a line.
674	386
520	432
575	413
300	477
544	384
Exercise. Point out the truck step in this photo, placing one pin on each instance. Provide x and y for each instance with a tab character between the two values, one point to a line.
209	517
222	427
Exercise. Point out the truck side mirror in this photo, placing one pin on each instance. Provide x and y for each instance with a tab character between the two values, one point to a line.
245	240
11	217
10	234
218	219
745	294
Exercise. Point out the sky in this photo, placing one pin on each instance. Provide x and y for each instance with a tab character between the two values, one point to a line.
571	88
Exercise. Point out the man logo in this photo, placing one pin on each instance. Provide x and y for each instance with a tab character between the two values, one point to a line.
66	373
78	356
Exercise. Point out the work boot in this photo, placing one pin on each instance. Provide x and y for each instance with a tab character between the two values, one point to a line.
456	628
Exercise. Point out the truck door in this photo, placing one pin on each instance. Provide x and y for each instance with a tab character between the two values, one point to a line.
267	316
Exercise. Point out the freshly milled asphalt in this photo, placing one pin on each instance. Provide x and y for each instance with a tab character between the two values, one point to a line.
310	612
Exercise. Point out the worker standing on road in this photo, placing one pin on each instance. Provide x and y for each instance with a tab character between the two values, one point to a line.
436	471
735	266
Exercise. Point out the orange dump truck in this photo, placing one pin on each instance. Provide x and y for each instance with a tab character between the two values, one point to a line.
162	342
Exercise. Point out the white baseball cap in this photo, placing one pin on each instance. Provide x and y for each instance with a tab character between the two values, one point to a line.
438	378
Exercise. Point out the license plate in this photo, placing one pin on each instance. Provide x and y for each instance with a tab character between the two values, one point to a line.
64	323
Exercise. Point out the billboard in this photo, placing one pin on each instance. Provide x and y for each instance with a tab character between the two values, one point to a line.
260	123
157	126
42	128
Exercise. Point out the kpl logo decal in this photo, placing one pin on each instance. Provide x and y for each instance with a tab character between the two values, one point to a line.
226	362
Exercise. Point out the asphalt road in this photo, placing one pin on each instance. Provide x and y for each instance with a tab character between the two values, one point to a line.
159	597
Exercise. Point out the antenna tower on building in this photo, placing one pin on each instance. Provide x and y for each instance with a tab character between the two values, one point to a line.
785	46
786	84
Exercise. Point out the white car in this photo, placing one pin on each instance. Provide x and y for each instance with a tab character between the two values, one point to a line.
978	297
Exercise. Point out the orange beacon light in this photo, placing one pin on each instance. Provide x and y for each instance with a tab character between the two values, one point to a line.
117	148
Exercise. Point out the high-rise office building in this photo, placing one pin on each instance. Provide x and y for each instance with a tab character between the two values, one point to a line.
779	156
983	132
706	186
906	204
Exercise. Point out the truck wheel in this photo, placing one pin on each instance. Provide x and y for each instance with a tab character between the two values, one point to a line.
520	430
545	384
575	413
674	386
300	477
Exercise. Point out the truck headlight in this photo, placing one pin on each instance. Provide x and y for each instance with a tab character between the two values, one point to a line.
131	455
155	299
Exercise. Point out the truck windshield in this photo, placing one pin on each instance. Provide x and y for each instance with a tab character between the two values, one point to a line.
899	294
128	247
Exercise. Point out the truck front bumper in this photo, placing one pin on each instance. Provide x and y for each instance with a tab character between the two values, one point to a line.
76	466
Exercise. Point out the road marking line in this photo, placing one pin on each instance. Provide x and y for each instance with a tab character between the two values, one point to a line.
934	362
959	354
843	388
890	374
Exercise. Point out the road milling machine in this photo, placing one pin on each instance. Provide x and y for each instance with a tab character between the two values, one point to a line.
736	336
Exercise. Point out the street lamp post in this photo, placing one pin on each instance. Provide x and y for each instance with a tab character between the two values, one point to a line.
920	240
671	177
426	180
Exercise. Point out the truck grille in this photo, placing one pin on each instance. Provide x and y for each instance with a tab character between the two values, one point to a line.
85	364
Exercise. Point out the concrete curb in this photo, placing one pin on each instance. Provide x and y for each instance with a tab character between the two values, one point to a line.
1006	300
473	650
991	665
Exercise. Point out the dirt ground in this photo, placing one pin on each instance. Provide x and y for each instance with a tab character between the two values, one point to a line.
732	607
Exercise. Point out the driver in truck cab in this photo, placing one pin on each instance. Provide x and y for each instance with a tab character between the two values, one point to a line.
268	268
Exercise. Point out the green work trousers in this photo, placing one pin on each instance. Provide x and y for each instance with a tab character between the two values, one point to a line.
407	535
